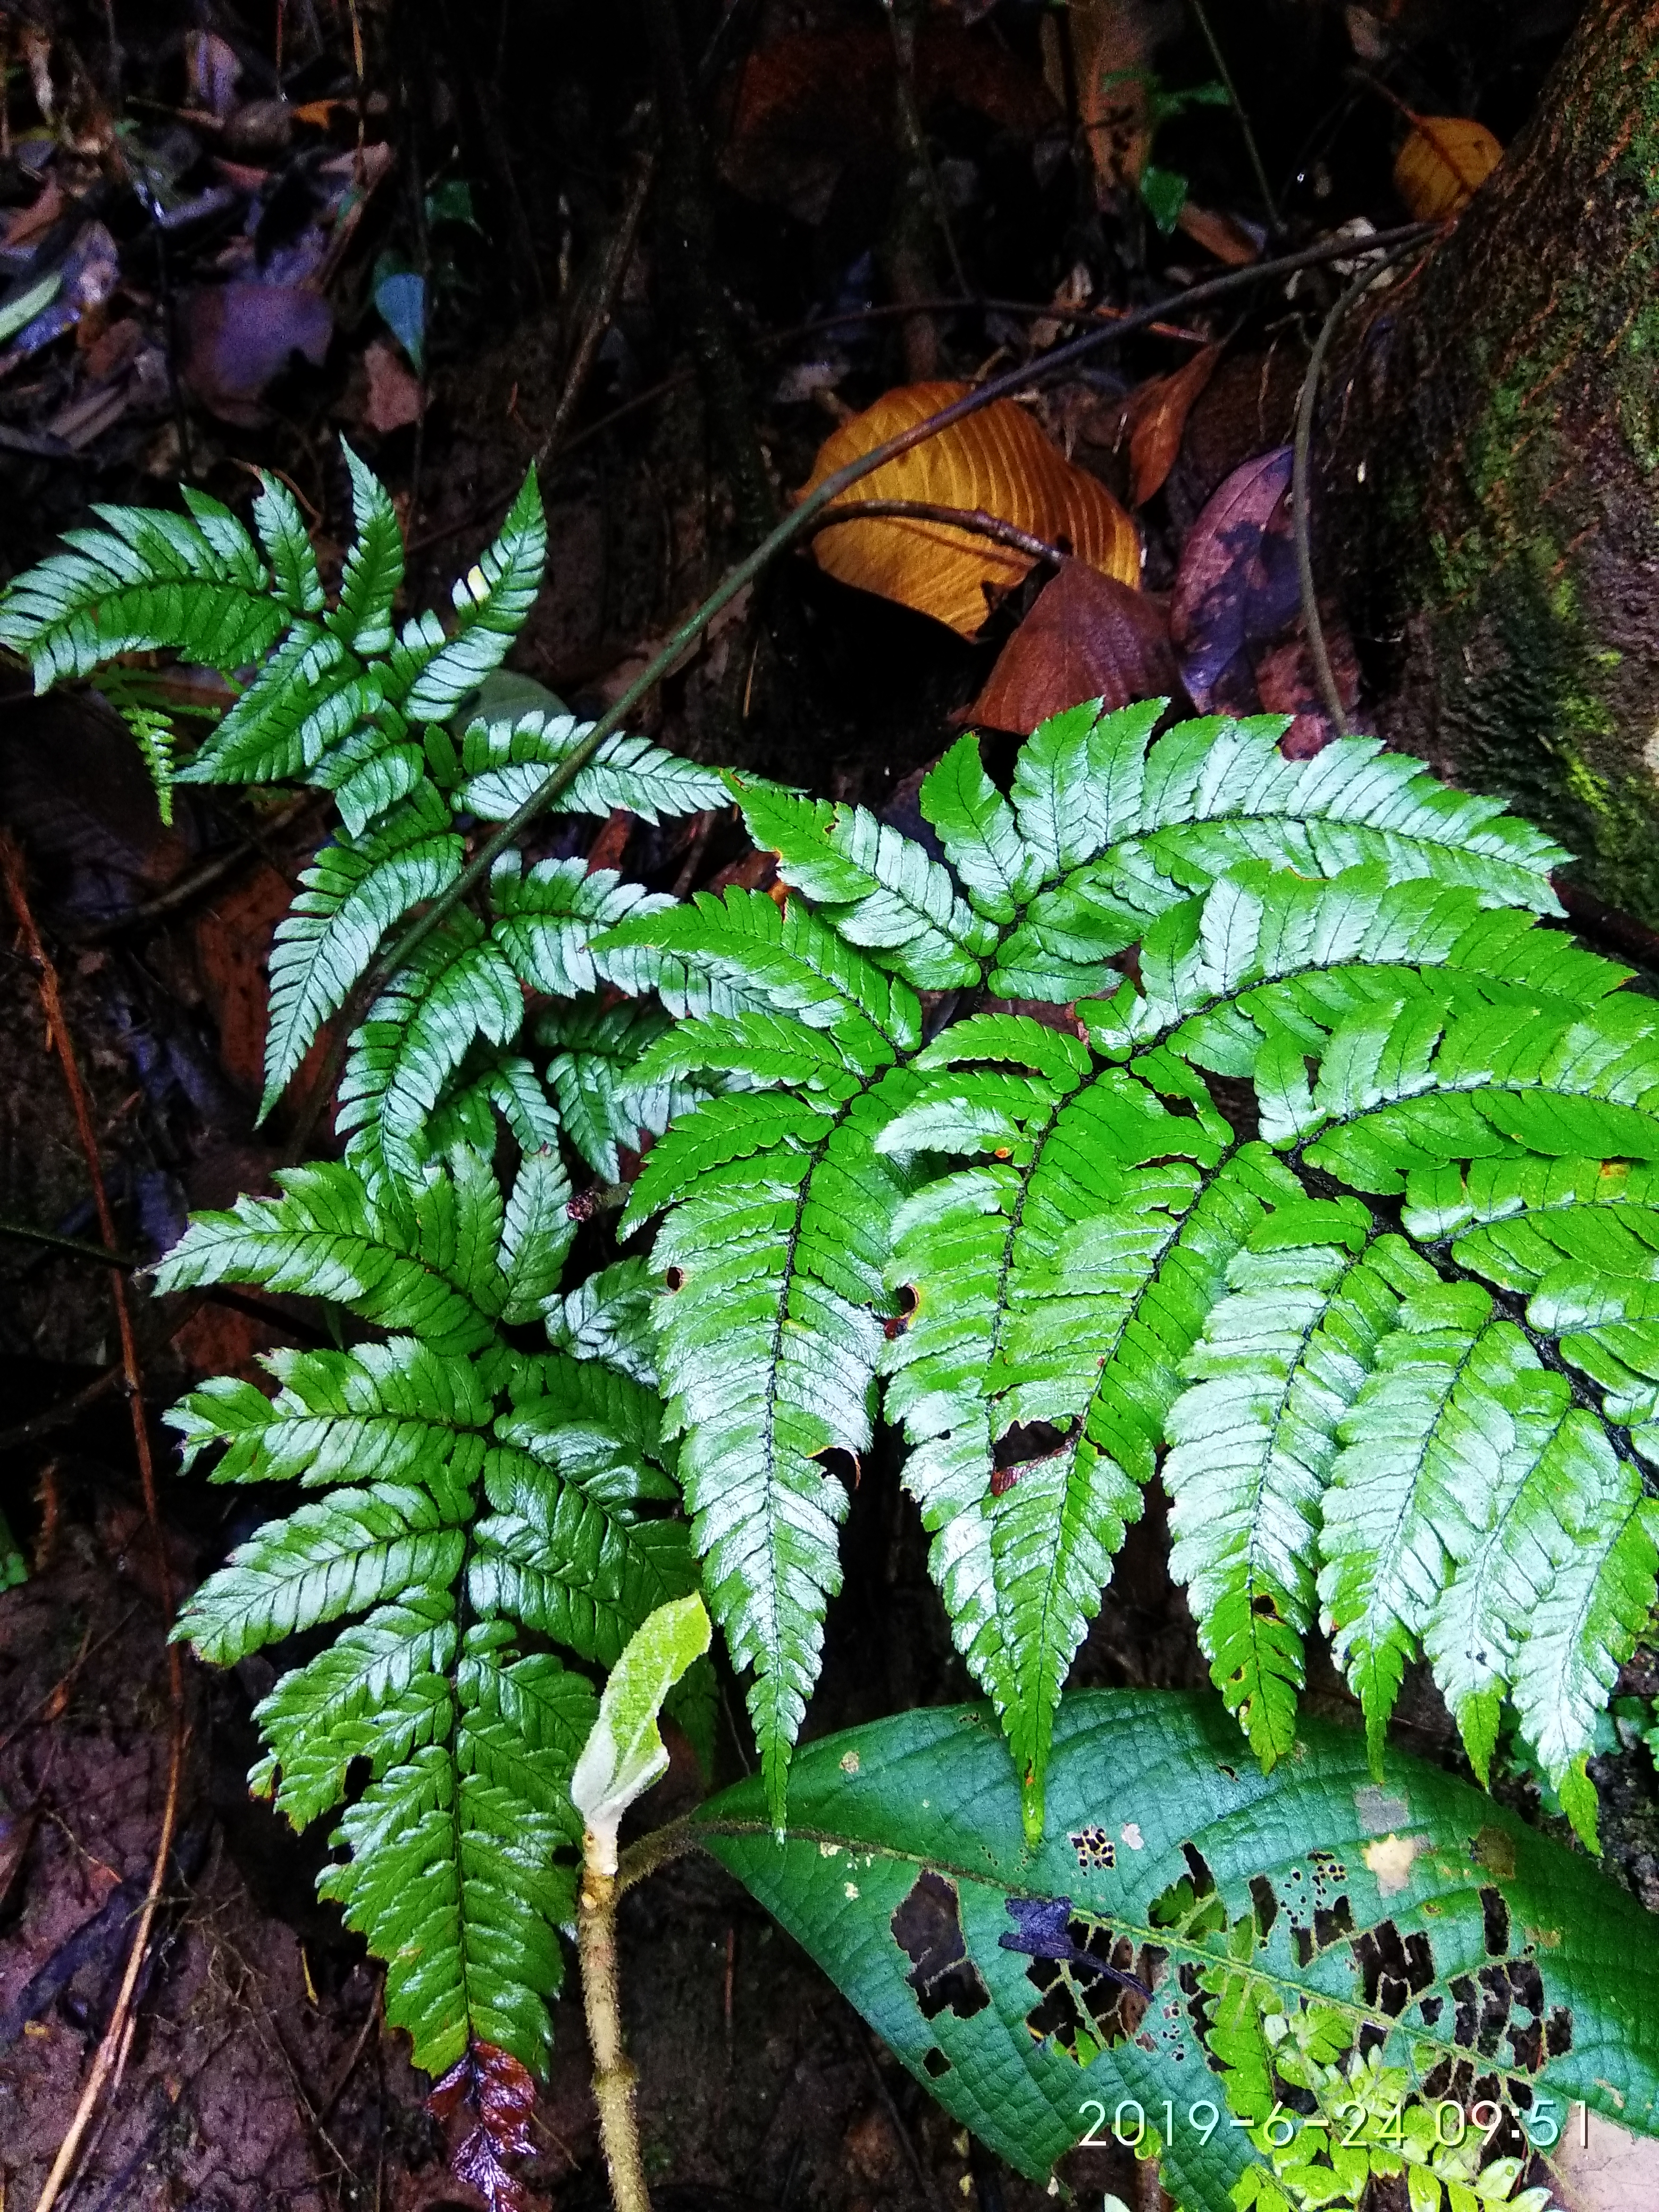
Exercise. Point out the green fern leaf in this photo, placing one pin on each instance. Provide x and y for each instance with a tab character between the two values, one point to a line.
875	887
453	1877
340	1555
536	1232
549	919
432	675
356	891
1411	1490
287	544
373	567
981	840
377	1692
595	1074
504	761
147	582
1254	1440
423	1264
418	1032
492	1083
562	1562
610	1317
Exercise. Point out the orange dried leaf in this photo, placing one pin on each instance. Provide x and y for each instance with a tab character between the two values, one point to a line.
1219	235
1112	47
1443	163
1161	417
997	461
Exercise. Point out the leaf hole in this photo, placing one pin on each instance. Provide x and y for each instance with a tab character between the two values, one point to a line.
927	1927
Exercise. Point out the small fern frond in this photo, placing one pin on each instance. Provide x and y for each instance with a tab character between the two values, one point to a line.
152	729
459	988
504	762
454	1468
147	582
547	921
374	570
595	1074
432	674
357	889
288	549
877	888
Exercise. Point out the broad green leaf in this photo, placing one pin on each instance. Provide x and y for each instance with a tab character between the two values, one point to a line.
1185	1921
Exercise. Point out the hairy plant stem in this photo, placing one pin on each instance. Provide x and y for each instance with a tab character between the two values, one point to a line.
613	2071
794	526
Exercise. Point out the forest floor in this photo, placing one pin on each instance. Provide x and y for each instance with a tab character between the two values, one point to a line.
261	250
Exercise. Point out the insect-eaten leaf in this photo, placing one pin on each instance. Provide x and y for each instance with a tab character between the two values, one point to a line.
1194	1931
1442	164
1087	637
997	462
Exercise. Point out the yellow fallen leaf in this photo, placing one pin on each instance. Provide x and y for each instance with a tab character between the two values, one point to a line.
1442	164
996	461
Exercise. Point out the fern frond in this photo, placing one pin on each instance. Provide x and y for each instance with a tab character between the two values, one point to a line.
147	582
1033	1280
556	1558
875	887
547	921
596	1075
504	761
610	1317
288	548
454	1877
373	569
432	674
459	988
423	1263
152	729
357	889
348	1552
1253	1441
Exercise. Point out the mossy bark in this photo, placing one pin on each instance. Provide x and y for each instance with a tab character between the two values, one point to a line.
1493	478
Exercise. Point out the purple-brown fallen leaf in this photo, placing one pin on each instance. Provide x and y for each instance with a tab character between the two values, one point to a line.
1286	685
1087	637
394	395
240	338
1236	586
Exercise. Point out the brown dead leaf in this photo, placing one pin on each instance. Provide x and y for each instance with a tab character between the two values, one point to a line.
997	461
1113	42
394	395
1443	163
25	224
1159	418
1087	637
1219	235
233	933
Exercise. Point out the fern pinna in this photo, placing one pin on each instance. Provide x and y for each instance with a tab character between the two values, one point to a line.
468	1490
1318	1180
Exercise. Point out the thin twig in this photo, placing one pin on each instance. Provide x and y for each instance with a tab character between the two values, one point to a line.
974	520
612	277
1237	105
78	1248
113	2046
1324	675
794	526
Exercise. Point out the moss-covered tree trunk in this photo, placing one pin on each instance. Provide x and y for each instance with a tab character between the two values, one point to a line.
1493	485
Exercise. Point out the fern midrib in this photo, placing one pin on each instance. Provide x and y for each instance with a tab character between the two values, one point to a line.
776	1595
1294	1369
